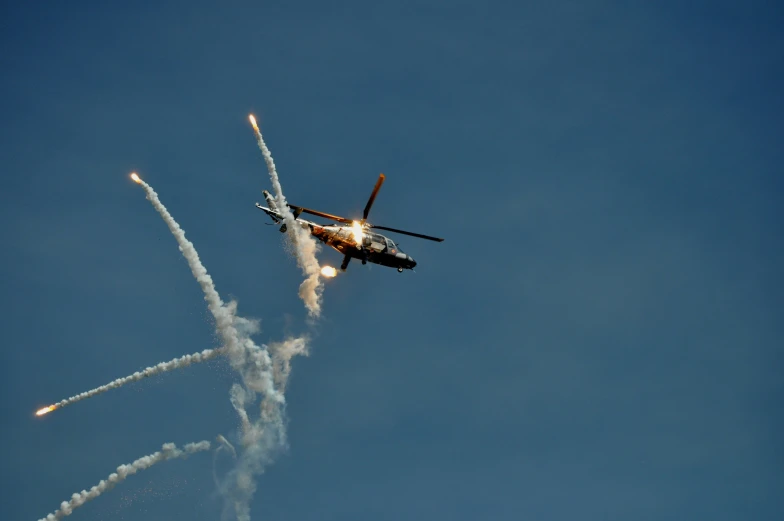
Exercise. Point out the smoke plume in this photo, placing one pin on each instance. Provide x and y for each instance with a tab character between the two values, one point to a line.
305	245
264	372
168	451
282	353
263	437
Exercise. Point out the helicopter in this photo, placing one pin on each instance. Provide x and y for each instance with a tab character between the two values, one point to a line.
354	239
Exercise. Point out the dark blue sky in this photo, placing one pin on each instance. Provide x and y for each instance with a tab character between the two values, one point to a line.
599	337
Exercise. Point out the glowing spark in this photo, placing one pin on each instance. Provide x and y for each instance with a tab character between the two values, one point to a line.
253	122
356	230
136	178
329	271
45	410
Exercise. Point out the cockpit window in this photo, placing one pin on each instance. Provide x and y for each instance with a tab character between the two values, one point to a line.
393	247
379	240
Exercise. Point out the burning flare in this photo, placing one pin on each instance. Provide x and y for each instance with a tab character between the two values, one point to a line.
136	178
329	271
45	410
253	122
356	230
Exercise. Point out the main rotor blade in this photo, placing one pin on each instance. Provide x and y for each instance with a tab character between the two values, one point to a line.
428	237
321	214
376	188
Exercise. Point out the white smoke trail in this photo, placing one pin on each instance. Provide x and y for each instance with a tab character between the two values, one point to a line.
306	247
163	367
168	451
245	356
223	315
262	438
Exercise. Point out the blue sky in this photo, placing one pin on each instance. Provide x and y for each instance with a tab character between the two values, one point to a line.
599	336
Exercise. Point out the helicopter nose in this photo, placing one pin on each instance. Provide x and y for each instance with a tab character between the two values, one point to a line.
411	261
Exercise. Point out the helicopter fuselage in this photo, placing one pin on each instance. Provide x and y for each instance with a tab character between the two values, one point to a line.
372	247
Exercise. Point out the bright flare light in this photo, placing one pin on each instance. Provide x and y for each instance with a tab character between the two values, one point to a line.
329	271
41	412
356	230
253	122
136	178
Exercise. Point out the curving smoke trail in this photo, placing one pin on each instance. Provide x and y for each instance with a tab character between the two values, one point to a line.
264	437
224	315
163	367
305	246
167	452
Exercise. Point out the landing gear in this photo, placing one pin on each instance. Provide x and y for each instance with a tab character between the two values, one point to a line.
399	269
